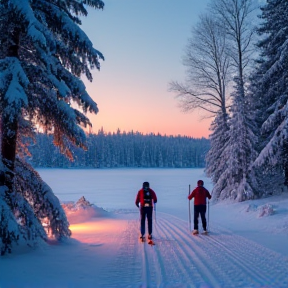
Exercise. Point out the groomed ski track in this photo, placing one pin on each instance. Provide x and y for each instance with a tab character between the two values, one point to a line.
179	259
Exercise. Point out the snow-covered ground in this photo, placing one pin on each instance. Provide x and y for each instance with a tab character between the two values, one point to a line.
246	247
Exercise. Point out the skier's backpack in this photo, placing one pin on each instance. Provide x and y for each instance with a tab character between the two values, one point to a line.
147	197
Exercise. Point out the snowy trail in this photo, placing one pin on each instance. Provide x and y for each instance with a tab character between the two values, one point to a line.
232	259
106	253
180	259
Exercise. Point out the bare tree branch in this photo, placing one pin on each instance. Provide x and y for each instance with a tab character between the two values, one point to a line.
208	69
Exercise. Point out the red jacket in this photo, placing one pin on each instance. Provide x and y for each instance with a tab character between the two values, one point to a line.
140	197
200	194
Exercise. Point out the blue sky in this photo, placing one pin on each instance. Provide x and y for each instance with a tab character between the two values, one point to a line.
143	43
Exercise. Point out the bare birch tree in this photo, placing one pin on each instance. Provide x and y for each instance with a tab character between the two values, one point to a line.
208	69
208	62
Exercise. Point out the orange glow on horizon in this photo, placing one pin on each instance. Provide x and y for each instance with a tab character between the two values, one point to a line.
142	108
183	127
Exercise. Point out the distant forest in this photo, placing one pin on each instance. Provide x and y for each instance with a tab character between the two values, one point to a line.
131	149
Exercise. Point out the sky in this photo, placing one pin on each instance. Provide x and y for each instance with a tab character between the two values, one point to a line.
143	44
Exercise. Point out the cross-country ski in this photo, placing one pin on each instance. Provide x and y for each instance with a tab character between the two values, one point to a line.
151	242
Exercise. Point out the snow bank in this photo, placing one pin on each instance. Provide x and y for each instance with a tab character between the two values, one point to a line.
263	210
82	211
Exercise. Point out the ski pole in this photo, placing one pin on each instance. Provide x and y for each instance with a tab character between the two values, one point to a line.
139	208
208	217
155	212
189	211
155	222
208	212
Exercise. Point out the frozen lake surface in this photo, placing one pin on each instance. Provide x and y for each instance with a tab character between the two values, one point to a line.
114	189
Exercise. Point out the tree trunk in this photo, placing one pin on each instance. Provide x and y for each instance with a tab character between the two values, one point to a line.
8	149
9	127
285	162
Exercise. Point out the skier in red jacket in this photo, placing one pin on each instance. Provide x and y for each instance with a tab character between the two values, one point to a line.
146	197
199	194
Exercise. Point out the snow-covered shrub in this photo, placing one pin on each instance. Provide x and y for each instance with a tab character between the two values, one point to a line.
251	207
83	203
81	211
265	210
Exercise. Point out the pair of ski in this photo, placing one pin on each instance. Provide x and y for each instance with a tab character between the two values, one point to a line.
149	241
197	233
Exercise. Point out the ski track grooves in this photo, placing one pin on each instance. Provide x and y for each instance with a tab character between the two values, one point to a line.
265	262
173	267
179	259
250	265
192	263
127	264
201	253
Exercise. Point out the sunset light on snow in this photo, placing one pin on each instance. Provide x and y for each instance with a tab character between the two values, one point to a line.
85	232
92	227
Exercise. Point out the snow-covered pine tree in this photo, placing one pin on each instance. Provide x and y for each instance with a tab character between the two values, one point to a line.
45	205
239	151
43	53
269	91
216	158
235	16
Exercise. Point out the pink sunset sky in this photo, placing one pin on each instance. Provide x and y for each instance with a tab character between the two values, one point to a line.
143	44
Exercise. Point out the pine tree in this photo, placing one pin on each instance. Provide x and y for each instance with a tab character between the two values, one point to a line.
43	53
269	91
235	16
217	158
239	150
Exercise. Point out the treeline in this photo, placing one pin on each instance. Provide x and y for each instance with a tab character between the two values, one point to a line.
118	149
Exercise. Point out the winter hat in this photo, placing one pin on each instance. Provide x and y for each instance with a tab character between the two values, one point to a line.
146	185
200	183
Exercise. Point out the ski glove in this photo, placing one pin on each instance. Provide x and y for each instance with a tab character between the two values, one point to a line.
137	205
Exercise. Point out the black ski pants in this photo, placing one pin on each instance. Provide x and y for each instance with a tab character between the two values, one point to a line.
200	209
146	212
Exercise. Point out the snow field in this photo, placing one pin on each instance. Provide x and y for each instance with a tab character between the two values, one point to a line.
242	250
